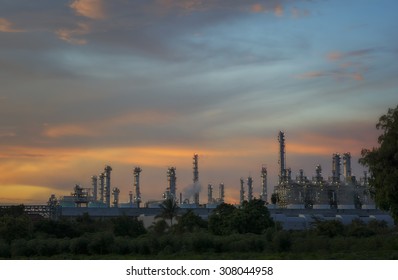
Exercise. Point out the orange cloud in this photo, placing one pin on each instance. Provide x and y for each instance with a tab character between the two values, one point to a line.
26	194
93	9
357	76
257	8
95	128
334	56
278	10
6	26
69	35
68	130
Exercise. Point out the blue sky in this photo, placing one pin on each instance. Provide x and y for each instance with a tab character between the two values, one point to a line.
86	83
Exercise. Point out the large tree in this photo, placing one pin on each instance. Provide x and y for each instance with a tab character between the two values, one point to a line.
169	209
383	163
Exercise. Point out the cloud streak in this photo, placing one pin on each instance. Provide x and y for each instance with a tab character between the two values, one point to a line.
7	26
346	68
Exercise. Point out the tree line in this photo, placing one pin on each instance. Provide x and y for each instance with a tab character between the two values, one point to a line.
247	232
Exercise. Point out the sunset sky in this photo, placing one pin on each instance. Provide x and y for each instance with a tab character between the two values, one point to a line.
89	83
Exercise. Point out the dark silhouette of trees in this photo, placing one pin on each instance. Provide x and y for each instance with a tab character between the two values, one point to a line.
383	164
252	217
169	210
190	222
128	226
220	220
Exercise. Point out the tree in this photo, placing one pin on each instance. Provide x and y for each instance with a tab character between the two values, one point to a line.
256	217
128	226
252	217
190	222
220	220
169	210
383	164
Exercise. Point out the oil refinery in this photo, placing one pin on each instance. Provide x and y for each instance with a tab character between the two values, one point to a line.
294	202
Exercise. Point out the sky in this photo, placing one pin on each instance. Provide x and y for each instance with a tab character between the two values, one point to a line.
89	83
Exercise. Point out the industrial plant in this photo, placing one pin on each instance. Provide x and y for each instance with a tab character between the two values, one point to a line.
294	202
290	193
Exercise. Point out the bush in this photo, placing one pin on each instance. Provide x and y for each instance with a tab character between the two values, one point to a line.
282	241
101	243
4	250
79	246
128	226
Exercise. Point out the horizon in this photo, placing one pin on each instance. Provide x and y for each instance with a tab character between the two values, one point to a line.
89	83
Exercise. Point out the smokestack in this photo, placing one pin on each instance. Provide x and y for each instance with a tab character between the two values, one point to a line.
102	187
347	166
249	188
94	183
264	174
209	194
242	191
282	156
221	192
108	170
137	199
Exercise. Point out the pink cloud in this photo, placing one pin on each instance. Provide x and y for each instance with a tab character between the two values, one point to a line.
6	26
69	35
257	8
93	9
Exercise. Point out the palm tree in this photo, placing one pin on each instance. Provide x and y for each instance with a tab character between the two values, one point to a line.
169	210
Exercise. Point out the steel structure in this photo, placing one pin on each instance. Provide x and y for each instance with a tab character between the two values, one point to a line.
249	189
264	187
137	198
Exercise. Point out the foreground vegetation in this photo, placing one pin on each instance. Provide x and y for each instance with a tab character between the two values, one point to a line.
192	238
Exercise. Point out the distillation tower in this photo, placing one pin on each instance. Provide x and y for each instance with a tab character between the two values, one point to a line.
172	182
102	187
242	190
282	157
94	183
210	199
249	189
107	171
196	178
264	174
115	193
137	198
221	192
